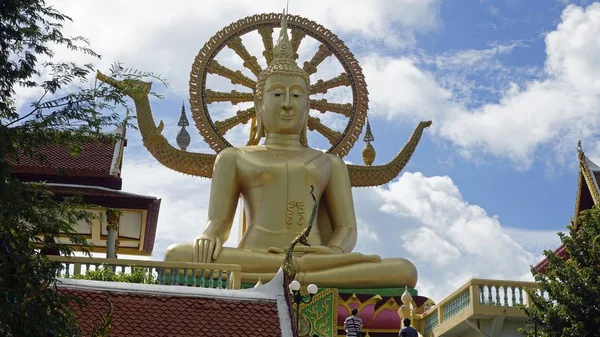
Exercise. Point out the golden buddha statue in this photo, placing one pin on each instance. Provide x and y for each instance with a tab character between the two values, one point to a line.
274	180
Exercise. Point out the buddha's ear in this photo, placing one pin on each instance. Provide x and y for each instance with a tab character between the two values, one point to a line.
304	134
260	131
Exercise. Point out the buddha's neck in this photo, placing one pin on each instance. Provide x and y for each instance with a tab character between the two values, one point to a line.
281	141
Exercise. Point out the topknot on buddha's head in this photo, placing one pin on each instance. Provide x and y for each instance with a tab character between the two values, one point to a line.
283	63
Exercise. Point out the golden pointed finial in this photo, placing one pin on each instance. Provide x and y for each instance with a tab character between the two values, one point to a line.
406	297
368	152
259	283
283	51
580	153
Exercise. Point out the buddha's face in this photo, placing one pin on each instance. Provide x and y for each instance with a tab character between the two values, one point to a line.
284	107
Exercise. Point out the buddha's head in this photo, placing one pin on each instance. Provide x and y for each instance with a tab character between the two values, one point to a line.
282	93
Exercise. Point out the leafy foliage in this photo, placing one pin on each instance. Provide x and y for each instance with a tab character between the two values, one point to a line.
572	284
106	273
69	110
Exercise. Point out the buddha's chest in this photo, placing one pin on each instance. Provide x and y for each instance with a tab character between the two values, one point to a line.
293	170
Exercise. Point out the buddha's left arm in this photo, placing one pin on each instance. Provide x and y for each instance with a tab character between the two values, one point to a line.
338	195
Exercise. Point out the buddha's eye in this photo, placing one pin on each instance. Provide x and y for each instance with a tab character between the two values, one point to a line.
296	95
277	94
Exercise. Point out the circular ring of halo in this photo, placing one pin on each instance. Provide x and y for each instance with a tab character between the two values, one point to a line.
198	95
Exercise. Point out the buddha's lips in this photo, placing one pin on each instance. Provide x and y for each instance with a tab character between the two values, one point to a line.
286	116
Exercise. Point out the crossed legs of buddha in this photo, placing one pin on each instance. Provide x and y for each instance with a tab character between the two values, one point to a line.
349	270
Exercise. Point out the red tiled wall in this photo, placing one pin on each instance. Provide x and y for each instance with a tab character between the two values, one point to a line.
151	315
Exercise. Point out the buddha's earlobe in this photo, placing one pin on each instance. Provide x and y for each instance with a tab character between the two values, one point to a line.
259	132
304	134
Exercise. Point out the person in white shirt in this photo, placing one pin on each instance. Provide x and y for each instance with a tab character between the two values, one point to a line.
353	324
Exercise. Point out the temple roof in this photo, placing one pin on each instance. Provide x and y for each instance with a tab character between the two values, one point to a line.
155	310
588	195
98	164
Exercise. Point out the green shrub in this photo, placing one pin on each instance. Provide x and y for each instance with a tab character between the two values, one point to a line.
106	273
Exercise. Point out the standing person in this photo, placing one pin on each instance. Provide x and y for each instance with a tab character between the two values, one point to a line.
353	324
408	331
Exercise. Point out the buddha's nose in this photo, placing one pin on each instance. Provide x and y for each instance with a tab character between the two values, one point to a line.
286	105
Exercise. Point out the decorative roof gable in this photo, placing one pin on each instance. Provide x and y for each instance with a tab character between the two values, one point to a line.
588	192
588	195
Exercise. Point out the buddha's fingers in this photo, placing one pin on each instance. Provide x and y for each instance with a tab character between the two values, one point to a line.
275	250
209	250
217	249
314	262
198	248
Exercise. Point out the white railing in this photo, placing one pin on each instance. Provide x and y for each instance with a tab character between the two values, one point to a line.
206	275
476	297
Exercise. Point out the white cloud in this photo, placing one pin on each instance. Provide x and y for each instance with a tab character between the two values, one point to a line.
553	111
426	220
154	36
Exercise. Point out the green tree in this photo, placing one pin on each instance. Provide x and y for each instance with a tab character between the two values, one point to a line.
570	306
71	109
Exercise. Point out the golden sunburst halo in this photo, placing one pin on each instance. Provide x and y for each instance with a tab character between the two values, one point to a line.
213	131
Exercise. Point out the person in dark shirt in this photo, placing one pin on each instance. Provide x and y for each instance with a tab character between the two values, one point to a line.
408	331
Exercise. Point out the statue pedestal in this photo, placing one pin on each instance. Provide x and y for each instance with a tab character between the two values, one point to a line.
378	309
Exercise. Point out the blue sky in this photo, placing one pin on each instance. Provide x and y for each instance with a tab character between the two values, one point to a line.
510	86
535	198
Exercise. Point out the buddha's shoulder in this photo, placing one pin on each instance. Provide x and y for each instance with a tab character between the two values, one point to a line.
248	150
330	158
335	160
228	155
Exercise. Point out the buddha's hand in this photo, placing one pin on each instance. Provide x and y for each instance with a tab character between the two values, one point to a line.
317	250
302	250
207	248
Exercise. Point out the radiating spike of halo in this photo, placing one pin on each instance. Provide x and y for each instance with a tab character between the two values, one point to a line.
314	124
241	117
322	53
321	86
234	97
267	38
236	77
250	61
323	106
297	36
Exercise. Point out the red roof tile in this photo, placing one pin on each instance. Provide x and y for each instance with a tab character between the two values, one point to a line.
137	314
94	161
560	251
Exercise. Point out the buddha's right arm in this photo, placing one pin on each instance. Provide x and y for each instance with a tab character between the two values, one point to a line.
224	194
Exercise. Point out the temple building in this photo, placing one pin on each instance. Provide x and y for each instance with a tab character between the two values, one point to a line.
95	175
